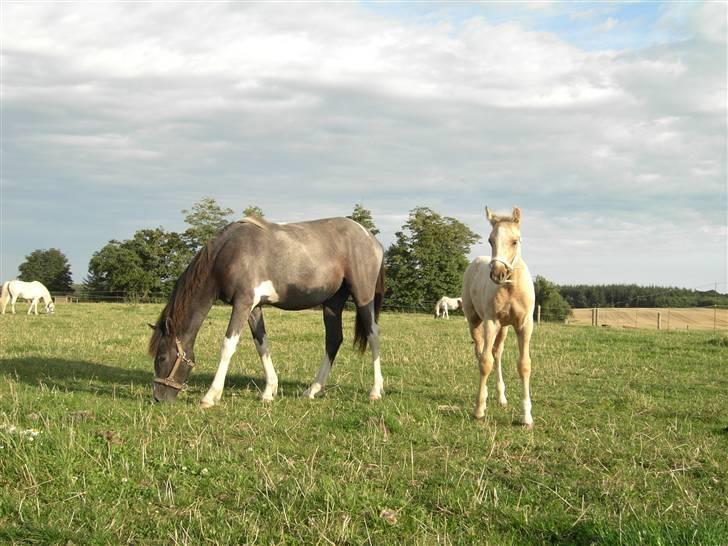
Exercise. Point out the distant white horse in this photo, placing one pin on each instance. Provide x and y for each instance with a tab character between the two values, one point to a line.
498	293
33	291
444	304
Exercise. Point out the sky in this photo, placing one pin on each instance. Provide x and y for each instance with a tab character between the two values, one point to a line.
604	122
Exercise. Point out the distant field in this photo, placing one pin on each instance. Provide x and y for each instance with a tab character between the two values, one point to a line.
671	319
629	444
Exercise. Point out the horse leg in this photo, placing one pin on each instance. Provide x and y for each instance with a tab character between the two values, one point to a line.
332	310
445	314
373	339
484	337
524	370
497	353
33	305
240	314
257	328
12	303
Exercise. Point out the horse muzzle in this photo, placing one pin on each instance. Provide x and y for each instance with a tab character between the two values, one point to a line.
500	271
164	393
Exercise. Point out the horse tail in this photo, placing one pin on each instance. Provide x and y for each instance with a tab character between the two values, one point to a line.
5	295
361	328
379	293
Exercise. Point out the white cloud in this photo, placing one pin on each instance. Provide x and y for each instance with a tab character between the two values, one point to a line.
151	106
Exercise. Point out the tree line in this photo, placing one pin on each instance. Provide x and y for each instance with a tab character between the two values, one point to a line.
632	295
425	262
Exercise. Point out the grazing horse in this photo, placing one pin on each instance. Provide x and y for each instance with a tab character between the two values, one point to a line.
497	293
290	266
33	291
444	304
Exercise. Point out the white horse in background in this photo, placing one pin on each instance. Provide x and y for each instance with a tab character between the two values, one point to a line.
497	293
444	304
33	291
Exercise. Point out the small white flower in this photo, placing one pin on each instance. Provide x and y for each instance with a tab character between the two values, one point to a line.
204	472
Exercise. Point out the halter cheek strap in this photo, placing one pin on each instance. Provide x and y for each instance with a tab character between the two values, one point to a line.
170	381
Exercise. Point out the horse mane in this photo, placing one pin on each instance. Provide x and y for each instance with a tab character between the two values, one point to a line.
190	282
256	221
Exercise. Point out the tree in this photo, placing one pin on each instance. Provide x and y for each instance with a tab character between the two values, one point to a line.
117	272
253	210
50	267
162	253
553	306
428	258
205	218
364	217
147	264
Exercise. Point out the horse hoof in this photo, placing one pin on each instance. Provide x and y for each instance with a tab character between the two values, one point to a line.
478	417
528	426
503	404
206	404
267	400
374	397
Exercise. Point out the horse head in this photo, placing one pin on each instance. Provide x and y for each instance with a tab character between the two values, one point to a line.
172	364
505	244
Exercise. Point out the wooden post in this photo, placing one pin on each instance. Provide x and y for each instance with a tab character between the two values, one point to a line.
596	314
538	315
659	321
594	319
715	316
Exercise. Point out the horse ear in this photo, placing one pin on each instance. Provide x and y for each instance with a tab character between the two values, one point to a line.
489	215
516	215
168	326
152	326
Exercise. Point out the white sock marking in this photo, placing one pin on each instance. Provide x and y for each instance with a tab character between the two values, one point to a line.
320	381
218	383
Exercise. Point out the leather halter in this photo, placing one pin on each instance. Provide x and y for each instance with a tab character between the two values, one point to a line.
170	381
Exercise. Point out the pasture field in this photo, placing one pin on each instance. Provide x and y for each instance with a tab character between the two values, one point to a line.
630	444
693	318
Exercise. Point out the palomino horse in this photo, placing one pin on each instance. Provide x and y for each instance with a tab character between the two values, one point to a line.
33	291
444	304
497	293
290	266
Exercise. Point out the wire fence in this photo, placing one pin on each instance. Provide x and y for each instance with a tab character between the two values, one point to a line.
708	317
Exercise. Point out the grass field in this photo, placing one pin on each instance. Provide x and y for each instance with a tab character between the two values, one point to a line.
630	444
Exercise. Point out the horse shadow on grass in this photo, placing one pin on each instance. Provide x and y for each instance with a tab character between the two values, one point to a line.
114	381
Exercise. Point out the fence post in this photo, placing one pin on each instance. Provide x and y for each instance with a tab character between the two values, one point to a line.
594	320
538	315
715	316
659	321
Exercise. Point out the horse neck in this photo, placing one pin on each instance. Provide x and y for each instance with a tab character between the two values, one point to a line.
189	322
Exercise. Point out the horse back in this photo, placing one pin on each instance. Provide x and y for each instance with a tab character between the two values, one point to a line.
304	262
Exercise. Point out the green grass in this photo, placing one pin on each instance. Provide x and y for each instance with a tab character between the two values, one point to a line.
630	444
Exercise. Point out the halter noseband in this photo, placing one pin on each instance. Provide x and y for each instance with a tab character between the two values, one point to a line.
170	381
509	265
